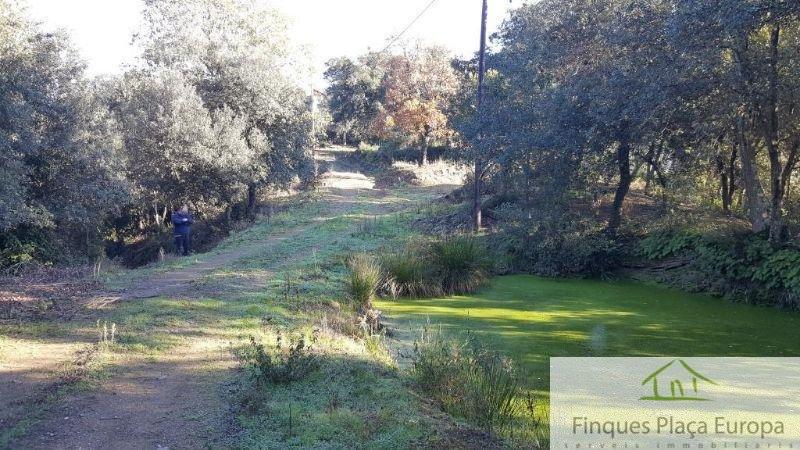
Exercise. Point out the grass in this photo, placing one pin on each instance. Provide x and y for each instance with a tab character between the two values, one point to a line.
356	397
531	319
461	264
364	281
407	273
467	379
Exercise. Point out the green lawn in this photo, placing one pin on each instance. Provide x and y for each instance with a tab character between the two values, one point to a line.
531	319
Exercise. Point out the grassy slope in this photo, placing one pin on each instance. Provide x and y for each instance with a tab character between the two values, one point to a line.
357	398
531	319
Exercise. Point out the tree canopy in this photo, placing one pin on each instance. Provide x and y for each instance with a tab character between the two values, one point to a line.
696	95
213	113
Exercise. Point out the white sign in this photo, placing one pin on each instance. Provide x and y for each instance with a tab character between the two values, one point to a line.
675	403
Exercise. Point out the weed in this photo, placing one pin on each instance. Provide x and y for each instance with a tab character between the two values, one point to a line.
370	322
289	290
340	323
467	379
460	263
334	403
286	364
407	274
106	335
373	344
364	279
368	227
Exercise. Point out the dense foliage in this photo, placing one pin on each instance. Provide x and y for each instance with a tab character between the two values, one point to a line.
402	99
59	148
210	117
695	99
605	118
735	265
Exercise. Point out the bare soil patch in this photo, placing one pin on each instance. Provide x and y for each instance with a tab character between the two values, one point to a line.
45	294
172	403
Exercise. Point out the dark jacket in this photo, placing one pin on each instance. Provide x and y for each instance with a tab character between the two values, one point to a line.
182	222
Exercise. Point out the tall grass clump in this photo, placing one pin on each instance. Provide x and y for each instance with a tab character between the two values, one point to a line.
467	379
461	264
365	278
407	274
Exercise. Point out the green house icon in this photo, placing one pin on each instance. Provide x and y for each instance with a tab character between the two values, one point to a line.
676	382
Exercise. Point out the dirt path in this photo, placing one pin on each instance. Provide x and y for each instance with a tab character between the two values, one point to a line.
340	188
179	281
177	400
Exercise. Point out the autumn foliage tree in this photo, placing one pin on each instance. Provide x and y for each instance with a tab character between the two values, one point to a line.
403	98
418	89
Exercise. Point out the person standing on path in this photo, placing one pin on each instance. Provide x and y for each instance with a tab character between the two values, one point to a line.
182	221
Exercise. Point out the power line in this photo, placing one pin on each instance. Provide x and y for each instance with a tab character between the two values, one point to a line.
419	16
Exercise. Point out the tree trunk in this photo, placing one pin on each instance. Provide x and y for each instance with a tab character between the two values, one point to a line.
740	199
251	200
424	161
723	185
624	165
754	193
770	129
647	160
476	197
477	216
648	178
791	161
156	215
732	175
726	169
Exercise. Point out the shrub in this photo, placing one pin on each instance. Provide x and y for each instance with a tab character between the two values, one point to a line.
28	247
286	364
407	274
364	279
559	246
461	264
467	379
397	151
14	258
740	266
660	245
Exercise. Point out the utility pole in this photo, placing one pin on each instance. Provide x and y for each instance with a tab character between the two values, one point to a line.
313	106
476	194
